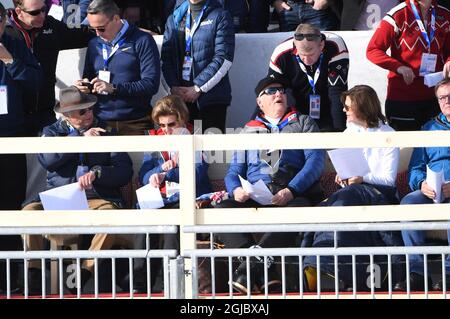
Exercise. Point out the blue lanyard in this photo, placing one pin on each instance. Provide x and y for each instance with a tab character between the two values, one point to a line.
275	128
312	81
118	41
190	32
421	25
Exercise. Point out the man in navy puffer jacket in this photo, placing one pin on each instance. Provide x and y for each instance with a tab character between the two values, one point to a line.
195	64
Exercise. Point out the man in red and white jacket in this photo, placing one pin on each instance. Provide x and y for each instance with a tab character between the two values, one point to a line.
418	35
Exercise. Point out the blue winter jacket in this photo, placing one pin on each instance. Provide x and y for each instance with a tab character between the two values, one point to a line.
437	158
22	77
212	53
116	168
135	71
309	163
152	162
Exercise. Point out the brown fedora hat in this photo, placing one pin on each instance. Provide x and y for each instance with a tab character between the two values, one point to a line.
71	99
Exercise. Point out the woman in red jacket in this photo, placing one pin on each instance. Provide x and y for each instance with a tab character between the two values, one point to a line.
417	33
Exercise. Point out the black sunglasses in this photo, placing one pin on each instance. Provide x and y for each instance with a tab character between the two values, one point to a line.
307	36
272	91
100	29
84	111
37	11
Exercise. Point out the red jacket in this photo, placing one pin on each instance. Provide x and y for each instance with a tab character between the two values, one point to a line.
400	32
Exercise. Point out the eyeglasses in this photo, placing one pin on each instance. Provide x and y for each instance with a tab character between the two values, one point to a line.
272	91
307	36
443	98
84	111
168	125
37	11
100	29
347	107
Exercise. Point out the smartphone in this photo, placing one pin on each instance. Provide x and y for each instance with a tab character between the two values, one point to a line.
89	85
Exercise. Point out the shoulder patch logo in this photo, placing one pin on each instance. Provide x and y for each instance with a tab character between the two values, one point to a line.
207	22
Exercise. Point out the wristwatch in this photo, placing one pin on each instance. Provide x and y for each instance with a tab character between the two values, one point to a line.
197	89
97	171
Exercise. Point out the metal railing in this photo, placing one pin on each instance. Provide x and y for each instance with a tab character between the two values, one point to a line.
187	214
299	253
147	253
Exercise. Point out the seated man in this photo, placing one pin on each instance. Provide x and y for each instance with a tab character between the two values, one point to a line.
292	176
436	158
99	174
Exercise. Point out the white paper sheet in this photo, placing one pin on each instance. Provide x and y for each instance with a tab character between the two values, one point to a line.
258	191
349	162
435	181
56	12
149	197
432	79
68	197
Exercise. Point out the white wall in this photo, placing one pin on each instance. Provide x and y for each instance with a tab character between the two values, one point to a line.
251	63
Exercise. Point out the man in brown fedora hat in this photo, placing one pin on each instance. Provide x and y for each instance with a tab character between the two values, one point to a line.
99	174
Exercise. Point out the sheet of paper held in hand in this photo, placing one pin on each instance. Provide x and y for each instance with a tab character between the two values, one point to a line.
149	197
67	197
349	162
258	191
435	181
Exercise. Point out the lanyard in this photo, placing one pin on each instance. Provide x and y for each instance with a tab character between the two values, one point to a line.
119	40
190	32
277	127
312	82
421	25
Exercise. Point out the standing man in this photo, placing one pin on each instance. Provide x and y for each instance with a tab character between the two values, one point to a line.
316	12
45	37
317	68
437	159
197	53
19	74
122	67
418	37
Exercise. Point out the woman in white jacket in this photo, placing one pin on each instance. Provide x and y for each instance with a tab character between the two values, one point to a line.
377	187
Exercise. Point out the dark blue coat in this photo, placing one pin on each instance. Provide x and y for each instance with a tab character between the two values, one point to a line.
20	78
117	168
212	53
135	71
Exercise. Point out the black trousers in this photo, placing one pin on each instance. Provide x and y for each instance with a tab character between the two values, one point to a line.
211	116
267	240
410	116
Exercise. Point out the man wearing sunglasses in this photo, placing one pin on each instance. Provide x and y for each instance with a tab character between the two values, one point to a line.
123	66
45	37
19	74
292	177
99	174
316	66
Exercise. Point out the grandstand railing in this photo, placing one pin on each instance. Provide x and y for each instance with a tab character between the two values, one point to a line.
318	252
187	214
146	253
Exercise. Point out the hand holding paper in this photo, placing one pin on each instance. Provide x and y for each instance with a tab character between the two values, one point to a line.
258	191
435	181
67	197
349	162
149	197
